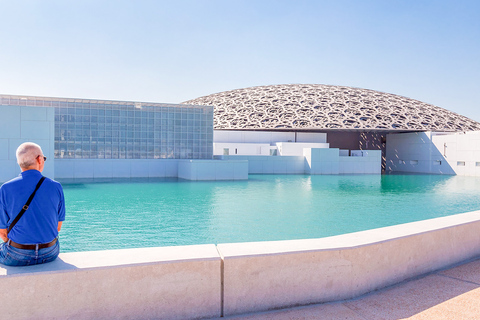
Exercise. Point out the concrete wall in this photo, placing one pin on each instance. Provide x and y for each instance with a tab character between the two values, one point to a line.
80	169
296	148
271	164
316	137
321	161
329	161
427	152
269	137
462	151
149	283
69	169
314	161
115	168
269	275
22	124
352	140
213	169
415	152
369	162
242	148
190	282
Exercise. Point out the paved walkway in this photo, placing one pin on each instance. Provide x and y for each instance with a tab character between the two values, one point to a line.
449	294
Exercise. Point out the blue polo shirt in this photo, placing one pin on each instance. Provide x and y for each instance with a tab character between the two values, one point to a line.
40	222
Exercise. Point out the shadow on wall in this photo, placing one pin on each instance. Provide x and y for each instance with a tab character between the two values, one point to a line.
416	153
359	141
374	141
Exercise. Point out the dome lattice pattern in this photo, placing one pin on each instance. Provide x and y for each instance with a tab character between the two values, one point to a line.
314	106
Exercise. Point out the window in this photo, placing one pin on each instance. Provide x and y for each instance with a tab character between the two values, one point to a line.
91	130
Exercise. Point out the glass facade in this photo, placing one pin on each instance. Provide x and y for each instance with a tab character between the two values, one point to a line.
91	129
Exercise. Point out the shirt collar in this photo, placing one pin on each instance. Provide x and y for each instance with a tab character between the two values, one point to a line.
31	173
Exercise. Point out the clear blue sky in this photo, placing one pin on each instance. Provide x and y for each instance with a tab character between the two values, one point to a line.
172	51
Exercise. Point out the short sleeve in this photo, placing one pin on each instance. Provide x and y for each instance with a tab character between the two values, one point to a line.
3	212
61	205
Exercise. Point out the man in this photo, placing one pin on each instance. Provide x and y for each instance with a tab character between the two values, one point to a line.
33	239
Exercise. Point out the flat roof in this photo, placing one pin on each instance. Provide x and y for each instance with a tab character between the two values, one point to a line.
35	101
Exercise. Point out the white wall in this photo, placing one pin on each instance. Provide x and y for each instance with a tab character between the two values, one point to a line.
23	124
270	275
414	152
115	168
148	283
246	149
426	152
462	151
79	169
368	163
232	167
329	161
271	164
213	169
250	149
314	161
296	148
314	137
267	136
321	160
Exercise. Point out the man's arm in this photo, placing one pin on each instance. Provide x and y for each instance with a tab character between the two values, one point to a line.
3	234
59	225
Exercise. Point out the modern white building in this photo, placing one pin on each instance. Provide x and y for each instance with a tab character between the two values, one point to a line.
435	152
283	129
270	152
96	139
287	120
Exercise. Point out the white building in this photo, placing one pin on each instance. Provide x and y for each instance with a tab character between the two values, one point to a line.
434	152
287	120
285	129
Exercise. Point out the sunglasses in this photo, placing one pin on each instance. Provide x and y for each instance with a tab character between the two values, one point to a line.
44	158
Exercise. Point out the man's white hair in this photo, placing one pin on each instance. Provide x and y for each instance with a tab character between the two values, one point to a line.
27	153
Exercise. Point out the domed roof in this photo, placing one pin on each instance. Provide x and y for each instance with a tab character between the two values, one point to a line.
320	107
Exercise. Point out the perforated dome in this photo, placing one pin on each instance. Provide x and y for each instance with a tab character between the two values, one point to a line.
319	107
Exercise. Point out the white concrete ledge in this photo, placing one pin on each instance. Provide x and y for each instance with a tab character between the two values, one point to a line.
271	275
149	283
205	281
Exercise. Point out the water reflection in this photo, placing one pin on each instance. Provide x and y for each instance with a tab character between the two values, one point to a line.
265	207
413	183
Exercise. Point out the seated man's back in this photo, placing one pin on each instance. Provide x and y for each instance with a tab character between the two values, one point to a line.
33	239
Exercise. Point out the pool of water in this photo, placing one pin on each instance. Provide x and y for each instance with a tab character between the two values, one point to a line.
265	207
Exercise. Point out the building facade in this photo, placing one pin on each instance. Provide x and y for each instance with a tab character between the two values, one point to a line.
282	129
346	118
119	133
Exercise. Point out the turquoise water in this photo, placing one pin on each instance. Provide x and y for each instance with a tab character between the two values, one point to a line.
266	207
